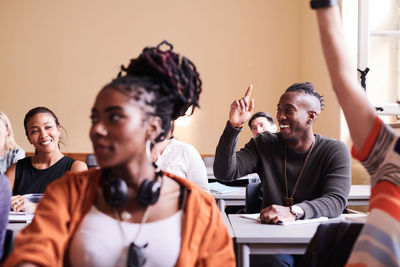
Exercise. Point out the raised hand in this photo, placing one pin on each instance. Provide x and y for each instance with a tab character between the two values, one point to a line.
242	109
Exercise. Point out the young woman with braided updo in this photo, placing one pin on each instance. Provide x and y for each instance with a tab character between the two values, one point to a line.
127	213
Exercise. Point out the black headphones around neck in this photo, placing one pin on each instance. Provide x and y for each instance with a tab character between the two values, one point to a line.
115	189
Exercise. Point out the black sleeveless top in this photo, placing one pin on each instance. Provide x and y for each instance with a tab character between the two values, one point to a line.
30	180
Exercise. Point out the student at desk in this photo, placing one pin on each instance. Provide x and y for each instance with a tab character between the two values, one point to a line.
303	175
10	152
181	159
375	144
33	174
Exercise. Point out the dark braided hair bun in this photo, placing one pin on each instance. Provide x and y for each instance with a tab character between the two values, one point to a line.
177	77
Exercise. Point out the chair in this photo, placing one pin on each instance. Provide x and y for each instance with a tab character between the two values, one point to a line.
254	198
331	245
8	244
208	162
91	161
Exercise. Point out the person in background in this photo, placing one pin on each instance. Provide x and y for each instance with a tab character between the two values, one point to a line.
262	122
181	159
34	174
375	144
303	175
10	152
126	213
5	196
259	123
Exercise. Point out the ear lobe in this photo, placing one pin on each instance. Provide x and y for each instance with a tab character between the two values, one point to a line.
154	128
312	116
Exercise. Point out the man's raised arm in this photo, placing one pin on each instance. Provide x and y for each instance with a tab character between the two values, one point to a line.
225	163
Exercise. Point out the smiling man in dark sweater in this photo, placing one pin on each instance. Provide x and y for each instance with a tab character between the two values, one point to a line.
303	175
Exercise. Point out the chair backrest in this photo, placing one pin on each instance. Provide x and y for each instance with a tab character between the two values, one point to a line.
8	244
91	161
331	245
208	162
253	198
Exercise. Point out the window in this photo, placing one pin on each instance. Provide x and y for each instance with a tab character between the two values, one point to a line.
378	49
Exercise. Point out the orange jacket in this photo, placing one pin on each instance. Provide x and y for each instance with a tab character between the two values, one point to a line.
45	241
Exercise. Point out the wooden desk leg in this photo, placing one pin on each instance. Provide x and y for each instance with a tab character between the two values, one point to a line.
244	255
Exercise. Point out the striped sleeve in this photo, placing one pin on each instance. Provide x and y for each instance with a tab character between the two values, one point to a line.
379	241
380	154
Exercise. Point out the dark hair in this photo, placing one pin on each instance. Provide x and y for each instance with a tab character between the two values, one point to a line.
171	79
307	88
261	114
35	111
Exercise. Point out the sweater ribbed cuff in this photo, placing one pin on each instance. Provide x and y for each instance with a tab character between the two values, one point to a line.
235	125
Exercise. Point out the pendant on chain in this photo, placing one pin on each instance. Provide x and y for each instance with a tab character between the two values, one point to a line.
125	216
288	201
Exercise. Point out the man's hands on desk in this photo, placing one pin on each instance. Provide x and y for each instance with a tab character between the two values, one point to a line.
275	213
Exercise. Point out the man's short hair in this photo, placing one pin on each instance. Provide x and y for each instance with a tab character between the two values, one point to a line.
307	88
261	114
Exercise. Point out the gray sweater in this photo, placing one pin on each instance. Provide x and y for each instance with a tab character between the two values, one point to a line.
324	186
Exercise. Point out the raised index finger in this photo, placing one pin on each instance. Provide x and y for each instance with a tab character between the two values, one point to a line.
249	90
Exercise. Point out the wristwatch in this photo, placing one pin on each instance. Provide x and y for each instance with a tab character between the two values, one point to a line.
297	211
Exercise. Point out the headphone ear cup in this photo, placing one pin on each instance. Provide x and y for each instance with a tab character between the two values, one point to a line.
149	192
115	190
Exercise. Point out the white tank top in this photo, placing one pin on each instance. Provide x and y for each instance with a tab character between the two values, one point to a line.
99	241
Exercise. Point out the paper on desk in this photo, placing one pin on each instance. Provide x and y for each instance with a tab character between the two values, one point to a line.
360	218
256	216
252	216
315	220
221	188
15	216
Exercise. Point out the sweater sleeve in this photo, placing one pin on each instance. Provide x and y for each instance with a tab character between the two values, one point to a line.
336	182
381	154
229	164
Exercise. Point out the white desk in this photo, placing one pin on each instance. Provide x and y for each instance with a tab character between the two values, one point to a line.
359	196
16	227
231	199
253	237
227	224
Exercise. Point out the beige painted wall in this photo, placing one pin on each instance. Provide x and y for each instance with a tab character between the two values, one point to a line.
60	53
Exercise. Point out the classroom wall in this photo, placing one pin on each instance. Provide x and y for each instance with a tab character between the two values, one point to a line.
60	53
